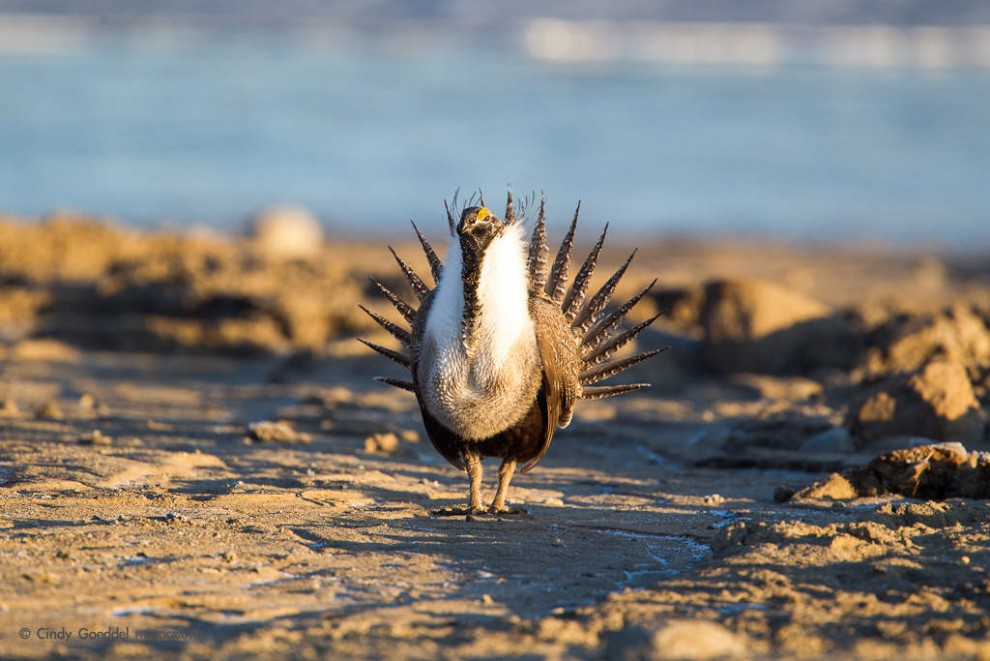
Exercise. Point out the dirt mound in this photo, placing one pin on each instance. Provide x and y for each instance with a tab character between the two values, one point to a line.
756	326
935	402
906	342
940	471
95	285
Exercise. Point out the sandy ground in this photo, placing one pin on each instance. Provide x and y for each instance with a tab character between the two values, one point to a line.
142	510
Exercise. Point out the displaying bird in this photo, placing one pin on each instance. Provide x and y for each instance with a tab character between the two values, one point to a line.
502	348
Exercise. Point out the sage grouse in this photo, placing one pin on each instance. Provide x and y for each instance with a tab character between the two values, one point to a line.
501	349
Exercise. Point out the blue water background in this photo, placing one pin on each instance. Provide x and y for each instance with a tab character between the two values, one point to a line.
369	135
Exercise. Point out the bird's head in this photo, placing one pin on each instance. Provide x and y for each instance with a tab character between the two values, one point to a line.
478	227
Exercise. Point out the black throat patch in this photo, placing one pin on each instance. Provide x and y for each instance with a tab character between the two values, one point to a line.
471	261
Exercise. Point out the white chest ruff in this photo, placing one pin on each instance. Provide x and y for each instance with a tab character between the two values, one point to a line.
487	392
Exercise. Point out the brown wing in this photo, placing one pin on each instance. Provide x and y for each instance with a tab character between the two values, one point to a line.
560	354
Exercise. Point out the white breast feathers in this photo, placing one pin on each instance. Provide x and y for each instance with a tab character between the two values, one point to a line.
483	393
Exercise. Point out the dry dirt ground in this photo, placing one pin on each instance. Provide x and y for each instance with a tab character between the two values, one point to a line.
144	512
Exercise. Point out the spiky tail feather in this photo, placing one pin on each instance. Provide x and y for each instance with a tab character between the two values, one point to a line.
436	266
557	283
418	286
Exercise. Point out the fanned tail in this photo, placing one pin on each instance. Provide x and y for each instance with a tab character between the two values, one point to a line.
598	333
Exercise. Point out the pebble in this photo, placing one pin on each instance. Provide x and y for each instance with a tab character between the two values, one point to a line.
267	431
95	437
386	443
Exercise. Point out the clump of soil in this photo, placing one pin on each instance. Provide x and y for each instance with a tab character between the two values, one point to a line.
97	286
937	471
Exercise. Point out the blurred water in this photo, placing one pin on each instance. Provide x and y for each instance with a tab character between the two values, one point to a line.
368	136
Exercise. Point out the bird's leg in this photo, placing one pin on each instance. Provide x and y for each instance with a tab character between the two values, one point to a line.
504	477
473	467
474	475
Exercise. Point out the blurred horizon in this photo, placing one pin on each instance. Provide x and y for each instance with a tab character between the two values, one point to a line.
806	120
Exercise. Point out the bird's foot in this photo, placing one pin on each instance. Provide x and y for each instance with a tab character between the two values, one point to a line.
504	509
468	511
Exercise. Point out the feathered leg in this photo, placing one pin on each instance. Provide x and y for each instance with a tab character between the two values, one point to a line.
472	463
505	472
474	475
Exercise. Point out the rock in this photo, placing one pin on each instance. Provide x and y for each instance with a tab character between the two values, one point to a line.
95	437
287	232
756	326
905	343
267	431
935	402
381	443
676	639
